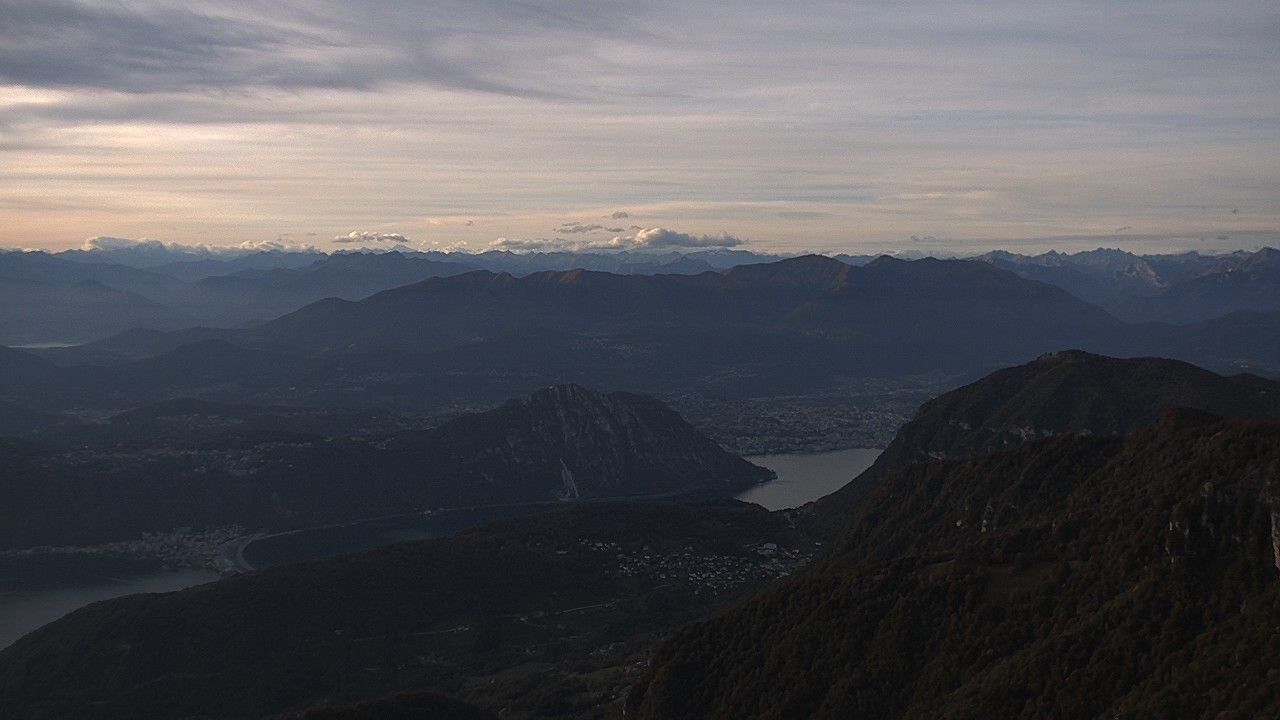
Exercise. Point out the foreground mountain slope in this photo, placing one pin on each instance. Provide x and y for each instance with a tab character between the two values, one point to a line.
1063	392
544	616
409	706
561	443
1080	577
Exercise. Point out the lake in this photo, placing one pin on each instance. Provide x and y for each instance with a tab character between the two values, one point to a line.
804	477
41	589
59	590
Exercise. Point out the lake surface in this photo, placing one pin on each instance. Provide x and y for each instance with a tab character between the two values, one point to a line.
805	477
22	611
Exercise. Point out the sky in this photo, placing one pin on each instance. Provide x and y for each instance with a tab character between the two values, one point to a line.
807	125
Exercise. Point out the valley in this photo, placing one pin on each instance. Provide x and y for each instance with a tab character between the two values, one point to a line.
483	526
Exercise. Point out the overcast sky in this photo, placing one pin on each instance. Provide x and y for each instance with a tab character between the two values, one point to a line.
764	125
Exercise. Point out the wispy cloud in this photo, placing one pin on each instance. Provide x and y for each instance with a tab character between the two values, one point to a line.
579	229
859	123
154	47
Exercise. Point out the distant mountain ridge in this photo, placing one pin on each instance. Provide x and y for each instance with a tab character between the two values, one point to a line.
1233	284
812	293
154	286
801	325
1179	289
87	295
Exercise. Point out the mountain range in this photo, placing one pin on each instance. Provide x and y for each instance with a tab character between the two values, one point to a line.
81	296
1064	538
796	326
1179	289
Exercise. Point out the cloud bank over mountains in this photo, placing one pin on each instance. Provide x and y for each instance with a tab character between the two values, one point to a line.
817	124
656	238
159	248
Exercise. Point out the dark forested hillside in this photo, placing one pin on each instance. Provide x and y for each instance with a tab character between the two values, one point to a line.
546	616
409	706
1063	392
561	443
1076	577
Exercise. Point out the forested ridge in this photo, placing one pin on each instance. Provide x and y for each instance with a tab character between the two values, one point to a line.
1077	577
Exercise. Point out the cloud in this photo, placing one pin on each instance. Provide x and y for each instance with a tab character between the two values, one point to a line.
366	236
280	244
225	116
151	47
664	238
531	244
146	247
579	228
107	243
560	244
651	238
